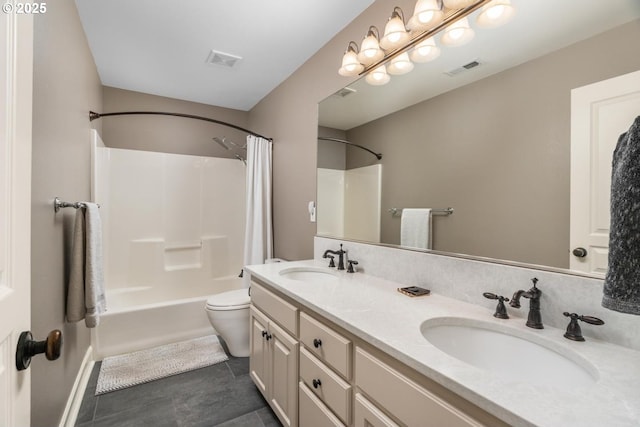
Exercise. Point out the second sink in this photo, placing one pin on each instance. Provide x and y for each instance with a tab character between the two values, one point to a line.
491	348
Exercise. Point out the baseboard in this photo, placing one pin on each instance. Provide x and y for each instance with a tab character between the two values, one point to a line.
74	401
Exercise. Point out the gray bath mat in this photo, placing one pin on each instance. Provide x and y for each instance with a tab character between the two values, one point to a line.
118	372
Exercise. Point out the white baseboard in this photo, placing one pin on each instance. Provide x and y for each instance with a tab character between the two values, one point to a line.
74	401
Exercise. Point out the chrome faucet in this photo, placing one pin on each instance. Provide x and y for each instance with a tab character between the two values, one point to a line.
535	318
340	254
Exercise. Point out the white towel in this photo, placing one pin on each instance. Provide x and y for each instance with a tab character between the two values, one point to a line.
85	297
415	228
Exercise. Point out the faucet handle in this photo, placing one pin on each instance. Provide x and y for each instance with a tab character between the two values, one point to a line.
351	264
331	263
574	332
501	310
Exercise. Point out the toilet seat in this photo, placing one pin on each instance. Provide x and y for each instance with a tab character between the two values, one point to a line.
237	299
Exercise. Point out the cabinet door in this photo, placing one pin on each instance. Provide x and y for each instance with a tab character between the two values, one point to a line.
284	375
258	362
367	415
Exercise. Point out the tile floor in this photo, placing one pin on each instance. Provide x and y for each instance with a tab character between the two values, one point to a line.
219	395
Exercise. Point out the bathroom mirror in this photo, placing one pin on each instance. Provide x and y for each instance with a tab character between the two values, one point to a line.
483	129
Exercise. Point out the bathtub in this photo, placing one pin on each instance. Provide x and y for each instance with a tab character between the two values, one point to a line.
147	316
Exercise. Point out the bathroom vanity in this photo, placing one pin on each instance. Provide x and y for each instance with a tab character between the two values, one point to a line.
330	348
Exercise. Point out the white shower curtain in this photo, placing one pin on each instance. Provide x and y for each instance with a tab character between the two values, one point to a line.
258	241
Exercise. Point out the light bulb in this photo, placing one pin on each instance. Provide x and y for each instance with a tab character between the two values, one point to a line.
395	34
401	64
370	51
427	14
378	77
495	13
350	64
425	51
458	33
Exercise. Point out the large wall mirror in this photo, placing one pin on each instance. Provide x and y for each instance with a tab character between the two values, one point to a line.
492	141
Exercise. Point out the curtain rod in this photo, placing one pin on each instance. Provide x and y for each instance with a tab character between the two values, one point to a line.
93	115
342	141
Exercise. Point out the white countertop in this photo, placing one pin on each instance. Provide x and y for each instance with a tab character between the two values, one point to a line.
373	310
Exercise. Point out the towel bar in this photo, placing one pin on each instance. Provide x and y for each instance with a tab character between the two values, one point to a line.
445	211
59	204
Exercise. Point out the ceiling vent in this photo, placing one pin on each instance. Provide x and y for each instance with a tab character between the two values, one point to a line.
465	67
222	59
344	92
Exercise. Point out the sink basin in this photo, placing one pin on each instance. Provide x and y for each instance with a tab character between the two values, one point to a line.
500	351
310	274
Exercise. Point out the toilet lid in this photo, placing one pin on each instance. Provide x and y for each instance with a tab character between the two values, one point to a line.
235	299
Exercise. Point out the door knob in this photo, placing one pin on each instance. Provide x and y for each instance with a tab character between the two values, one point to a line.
580	252
27	348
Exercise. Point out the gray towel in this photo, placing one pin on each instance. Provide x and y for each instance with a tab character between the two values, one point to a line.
85	297
622	283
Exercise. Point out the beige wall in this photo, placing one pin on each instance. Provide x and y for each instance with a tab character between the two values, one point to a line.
289	114
165	133
65	88
498	151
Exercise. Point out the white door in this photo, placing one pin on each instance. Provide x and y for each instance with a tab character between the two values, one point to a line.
600	112
16	71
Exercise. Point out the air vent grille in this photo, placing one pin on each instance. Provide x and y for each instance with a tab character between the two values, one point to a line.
345	92
465	67
222	59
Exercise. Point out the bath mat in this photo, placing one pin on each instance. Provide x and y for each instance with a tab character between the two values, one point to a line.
118	372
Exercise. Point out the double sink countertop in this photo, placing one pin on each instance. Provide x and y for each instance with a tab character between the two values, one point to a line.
372	309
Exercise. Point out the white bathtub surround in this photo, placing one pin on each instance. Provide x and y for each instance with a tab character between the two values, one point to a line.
173	236
145	317
466	280
258	243
370	308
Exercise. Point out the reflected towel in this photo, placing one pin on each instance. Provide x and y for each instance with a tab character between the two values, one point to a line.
622	283
85	297
415	228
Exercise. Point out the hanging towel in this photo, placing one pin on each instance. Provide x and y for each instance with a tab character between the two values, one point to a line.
622	283
85	297
415	228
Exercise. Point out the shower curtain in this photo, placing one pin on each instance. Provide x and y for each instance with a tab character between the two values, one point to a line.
258	241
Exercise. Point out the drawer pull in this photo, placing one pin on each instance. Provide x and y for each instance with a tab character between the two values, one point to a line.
317	342
316	383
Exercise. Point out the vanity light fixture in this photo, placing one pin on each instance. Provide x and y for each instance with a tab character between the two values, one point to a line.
350	64
395	33
370	51
378	76
402	45
495	13
458	33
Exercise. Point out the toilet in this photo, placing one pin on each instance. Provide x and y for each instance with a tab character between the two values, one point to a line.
228	313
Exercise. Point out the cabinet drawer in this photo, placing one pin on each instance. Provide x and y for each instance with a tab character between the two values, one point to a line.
409	402
367	415
312	411
278	309
326	344
333	390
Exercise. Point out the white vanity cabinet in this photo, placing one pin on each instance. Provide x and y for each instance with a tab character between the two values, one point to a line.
316	374
273	362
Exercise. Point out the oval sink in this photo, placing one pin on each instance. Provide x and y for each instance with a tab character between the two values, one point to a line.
506	355
310	274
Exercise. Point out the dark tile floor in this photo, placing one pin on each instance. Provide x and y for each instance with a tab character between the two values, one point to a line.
219	395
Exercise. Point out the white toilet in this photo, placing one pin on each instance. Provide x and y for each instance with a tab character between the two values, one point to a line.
228	313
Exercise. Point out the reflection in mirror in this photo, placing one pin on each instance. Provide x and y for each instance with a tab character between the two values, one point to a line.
492	142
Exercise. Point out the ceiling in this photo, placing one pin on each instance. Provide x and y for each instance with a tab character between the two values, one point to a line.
538	28
161	47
